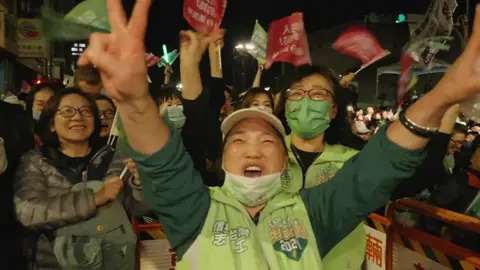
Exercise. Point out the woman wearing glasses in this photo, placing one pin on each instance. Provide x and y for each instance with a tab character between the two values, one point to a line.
65	193
315	108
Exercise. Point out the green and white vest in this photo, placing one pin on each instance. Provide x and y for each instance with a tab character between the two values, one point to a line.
282	239
350	252
322	170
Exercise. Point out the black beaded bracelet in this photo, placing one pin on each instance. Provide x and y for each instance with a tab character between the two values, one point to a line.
418	130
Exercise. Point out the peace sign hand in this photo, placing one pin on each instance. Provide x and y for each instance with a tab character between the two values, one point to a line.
462	80
120	55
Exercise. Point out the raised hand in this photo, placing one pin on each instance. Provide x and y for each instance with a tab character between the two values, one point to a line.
132	168
193	45
217	43
109	191
462	80
347	79
120	55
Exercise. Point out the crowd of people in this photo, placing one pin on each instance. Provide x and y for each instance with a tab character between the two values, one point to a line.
280	181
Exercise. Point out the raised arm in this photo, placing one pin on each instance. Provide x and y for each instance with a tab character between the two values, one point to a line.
171	186
258	77
367	180
214	54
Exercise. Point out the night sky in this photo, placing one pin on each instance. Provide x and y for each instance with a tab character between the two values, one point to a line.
166	20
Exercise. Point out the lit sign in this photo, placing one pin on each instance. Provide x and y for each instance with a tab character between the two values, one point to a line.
77	49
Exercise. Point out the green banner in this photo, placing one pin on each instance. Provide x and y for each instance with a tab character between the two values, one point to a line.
55	27
259	40
84	19
91	12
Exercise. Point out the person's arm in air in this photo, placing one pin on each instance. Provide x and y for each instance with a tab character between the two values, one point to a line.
429	173
202	119
168	74
217	83
37	209
366	181
171	186
258	77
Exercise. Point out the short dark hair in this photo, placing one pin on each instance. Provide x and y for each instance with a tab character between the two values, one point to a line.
250	95
166	92
22	96
88	74
34	90
31	98
103	97
459	129
49	138
336	133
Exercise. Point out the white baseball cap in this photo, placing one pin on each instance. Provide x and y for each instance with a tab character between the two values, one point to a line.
242	114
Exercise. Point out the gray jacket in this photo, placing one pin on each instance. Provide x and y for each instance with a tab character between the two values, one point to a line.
45	202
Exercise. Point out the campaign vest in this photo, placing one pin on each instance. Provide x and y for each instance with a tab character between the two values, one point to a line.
322	169
105	241
283	238
350	252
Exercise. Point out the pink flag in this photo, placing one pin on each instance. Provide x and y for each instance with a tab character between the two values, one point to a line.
26	87
359	43
205	16
287	41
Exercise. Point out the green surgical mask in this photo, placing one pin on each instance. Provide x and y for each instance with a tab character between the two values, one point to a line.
308	118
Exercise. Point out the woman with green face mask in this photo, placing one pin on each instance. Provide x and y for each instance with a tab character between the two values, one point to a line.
316	116
314	149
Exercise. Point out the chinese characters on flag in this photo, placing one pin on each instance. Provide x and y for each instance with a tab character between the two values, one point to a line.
287	41
359	43
205	16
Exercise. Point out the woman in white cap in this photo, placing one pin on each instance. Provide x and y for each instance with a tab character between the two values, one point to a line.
251	223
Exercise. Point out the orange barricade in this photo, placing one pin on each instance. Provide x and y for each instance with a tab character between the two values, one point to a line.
439	250
398	236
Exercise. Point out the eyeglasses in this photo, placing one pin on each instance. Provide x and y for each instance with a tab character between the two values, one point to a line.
69	112
297	94
108	114
457	143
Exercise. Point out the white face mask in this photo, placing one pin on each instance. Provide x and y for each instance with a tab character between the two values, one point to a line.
36	114
253	191
175	115
3	157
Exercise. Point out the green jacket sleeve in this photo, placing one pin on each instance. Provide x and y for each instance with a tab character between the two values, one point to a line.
174	190
364	184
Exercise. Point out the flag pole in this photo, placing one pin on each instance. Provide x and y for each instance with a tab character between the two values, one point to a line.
219	49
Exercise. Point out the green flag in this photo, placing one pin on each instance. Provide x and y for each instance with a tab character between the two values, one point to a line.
84	19
55	27
91	12
259	40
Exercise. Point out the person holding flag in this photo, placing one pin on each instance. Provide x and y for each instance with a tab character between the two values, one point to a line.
251	222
